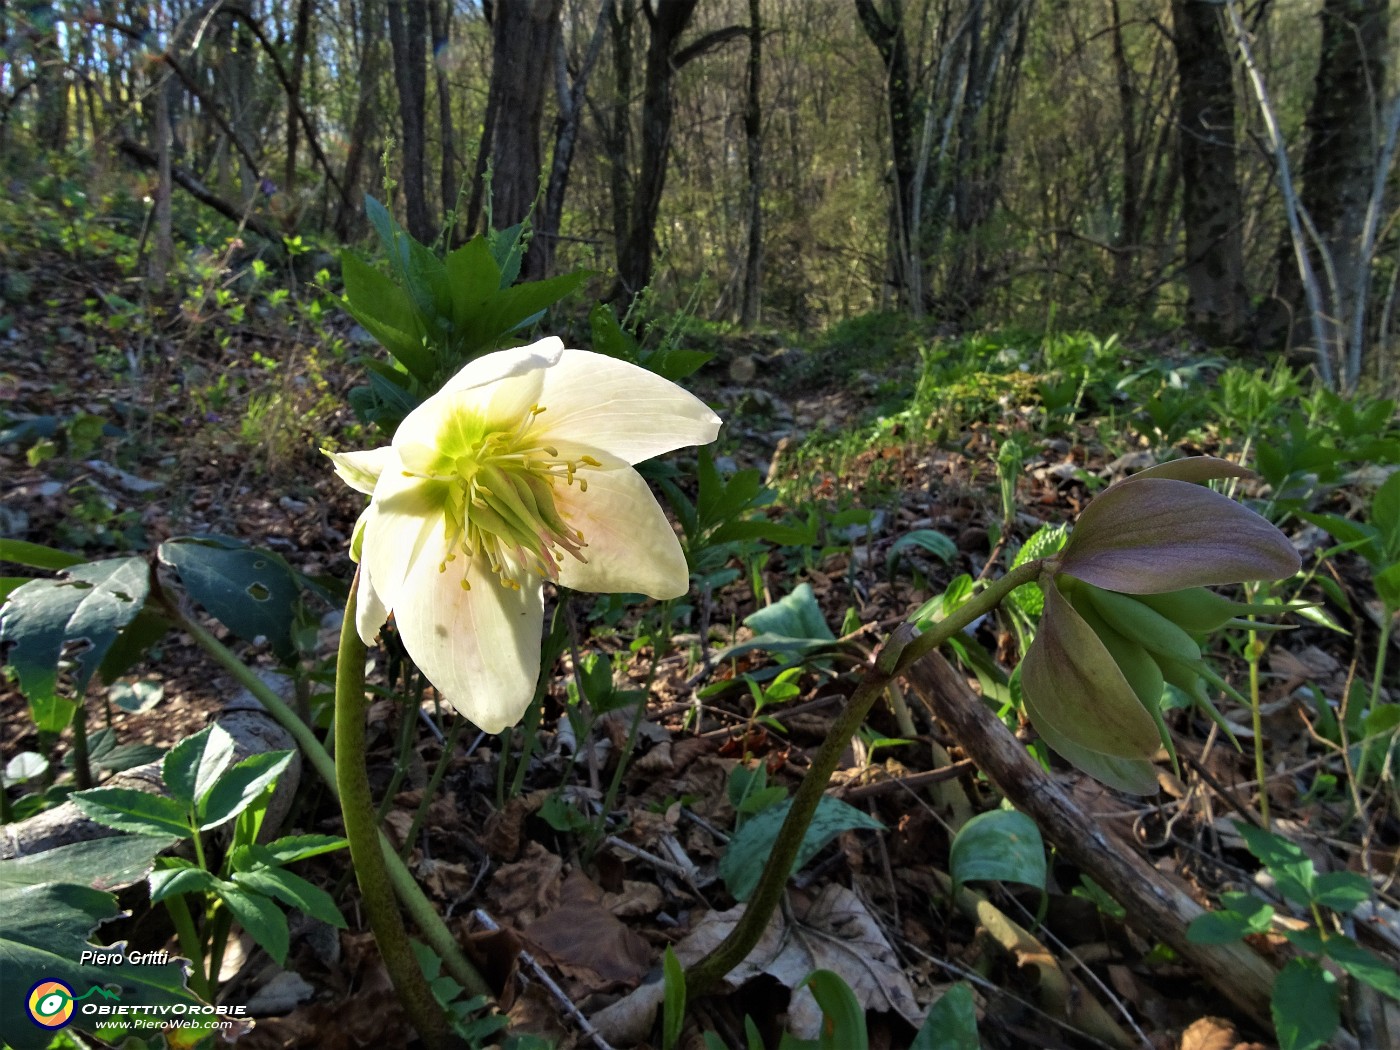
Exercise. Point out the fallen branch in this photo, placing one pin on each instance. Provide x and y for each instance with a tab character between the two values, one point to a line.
202	193
1154	905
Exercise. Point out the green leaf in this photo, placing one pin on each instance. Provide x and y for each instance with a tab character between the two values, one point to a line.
1365	966
1289	865
130	646
239	787
24	766
796	616
252	592
87	607
387	313
1243	914
673	999
290	849
1002	845
951	1023
1341	891
843	1019
46	930
127	809
293	891
110	863
36	555
1304	1006
260	918
748	850
195	763
1385	517
172	882
935	543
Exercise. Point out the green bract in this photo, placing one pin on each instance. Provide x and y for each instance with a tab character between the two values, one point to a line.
1121	601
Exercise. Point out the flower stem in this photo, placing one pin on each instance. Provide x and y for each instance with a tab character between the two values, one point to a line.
904	647
419	908
361	828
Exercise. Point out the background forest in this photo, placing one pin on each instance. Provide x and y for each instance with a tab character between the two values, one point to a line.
986	294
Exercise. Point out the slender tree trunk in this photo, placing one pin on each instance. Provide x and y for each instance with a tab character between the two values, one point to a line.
1345	136
540	261
1129	239
1211	207
362	129
886	32
522	47
300	36
441	28
753	142
617	131
51	118
408	34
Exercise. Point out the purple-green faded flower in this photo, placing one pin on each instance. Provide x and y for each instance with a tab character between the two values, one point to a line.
519	470
1121	601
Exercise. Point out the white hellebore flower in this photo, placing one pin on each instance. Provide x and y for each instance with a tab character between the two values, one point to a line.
517	471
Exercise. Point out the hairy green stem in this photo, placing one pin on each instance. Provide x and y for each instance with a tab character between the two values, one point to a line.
362	829
419	908
903	648
200	982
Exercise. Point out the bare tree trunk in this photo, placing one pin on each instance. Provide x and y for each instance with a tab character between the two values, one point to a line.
300	36
441	28
1212	212
1130	230
753	141
408	34
617	130
372	22
540	261
51	119
1345	137
522	46
163	249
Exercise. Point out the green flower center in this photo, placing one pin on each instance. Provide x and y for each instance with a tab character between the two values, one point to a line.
499	504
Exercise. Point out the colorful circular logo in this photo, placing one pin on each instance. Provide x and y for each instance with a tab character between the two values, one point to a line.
51	1004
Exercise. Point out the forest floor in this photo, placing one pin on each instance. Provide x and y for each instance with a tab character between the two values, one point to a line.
208	434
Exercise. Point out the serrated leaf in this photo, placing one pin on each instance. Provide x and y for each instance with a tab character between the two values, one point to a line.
1001	845
88	606
293	891
140	812
1287	863
251	592
260	918
239	787
1365	966
748	850
110	863
172	882
1342	891
1243	914
292	848
1304	1006
47	928
195	763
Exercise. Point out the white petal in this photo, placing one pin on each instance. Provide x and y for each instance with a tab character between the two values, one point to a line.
370	612
405	534
361	470
621	408
450	422
480	648
503	364
631	545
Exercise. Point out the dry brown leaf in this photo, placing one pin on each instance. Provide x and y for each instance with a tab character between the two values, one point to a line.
1209	1033
521	892
587	942
504	827
635	898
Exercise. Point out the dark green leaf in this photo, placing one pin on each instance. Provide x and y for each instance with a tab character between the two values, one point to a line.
110	863
673	999
1003	845
260	918
1363	965
1341	891
172	882
233	792
45	932
195	763
1304	1006
87	608
1288	864
292	848
141	812
252	592
748	850
293	891
951	1023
